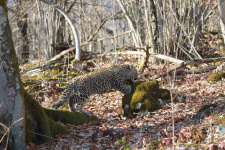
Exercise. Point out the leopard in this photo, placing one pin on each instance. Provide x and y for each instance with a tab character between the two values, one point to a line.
118	77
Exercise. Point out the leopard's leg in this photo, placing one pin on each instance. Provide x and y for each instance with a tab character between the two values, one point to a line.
72	102
125	90
80	108
76	104
122	87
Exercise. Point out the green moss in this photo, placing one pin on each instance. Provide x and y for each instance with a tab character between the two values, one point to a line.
46	72
75	61
217	76
145	93
206	110
151	103
40	123
222	121
58	64
122	50
35	114
3	3
64	75
56	128
219	120
206	107
28	79
147	86
220	45
74	73
30	135
75	118
216	116
56	71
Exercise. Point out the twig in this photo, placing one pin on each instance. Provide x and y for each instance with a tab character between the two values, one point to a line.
8	128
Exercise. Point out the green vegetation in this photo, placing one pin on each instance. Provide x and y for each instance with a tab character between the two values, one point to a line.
43	121
75	61
221	120
145	93
206	110
206	107
217	76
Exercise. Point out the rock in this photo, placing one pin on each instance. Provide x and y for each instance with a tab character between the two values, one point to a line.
144	96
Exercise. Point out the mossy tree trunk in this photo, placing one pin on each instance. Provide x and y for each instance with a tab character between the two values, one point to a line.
41	123
11	96
20	114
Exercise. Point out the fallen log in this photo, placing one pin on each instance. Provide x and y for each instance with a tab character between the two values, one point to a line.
180	64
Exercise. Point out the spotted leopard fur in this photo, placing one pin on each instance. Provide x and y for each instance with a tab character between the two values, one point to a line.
117	77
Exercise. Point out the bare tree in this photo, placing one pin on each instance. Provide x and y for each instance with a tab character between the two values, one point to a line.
221	7
135	34
22	24
11	98
74	30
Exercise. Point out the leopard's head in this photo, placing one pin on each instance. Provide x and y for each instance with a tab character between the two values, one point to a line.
130	72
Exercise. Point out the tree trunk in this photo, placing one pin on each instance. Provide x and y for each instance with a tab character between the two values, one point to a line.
160	27
18	110
11	97
135	33
74	30
221	7
41	123
22	24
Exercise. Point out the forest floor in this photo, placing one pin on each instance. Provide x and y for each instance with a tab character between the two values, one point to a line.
152	130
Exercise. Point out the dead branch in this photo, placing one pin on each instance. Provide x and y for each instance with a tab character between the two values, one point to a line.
85	44
101	25
192	76
181	64
75	33
202	70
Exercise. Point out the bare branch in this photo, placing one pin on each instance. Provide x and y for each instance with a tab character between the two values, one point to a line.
75	33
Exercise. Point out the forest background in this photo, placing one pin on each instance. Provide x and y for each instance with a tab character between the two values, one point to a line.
176	31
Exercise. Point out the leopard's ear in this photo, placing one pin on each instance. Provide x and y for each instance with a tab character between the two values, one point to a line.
129	66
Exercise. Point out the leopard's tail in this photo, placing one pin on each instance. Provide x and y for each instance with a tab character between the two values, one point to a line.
64	96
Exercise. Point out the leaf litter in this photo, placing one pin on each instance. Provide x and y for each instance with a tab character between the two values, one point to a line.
152	129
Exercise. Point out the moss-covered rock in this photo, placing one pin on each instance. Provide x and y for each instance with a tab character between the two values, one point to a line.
216	76
206	110
144	96
220	119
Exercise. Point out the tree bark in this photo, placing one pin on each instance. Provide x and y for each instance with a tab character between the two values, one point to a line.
23	25
11	97
221	7
135	33
18	110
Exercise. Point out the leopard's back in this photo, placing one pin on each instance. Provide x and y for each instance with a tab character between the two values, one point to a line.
97	82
